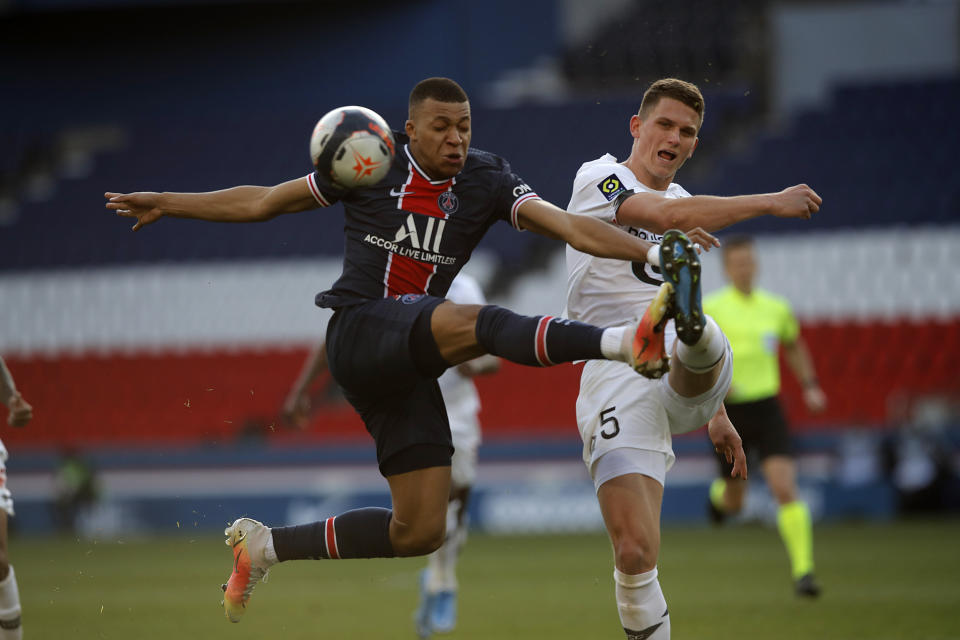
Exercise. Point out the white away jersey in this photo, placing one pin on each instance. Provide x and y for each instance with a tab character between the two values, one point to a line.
602	291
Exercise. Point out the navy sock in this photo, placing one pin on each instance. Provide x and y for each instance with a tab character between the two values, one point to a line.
361	533
537	341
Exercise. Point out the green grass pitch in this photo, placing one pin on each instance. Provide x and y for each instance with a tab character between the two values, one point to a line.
881	582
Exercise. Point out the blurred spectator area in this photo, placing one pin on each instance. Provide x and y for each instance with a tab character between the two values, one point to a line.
869	371
856	152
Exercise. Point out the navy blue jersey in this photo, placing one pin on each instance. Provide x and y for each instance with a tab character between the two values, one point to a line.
409	234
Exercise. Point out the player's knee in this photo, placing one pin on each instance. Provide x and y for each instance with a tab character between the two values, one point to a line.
636	555
419	540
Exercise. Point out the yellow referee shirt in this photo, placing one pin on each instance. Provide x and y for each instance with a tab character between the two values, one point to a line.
755	324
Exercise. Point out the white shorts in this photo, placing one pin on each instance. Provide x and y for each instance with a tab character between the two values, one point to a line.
466	440
6	498
617	408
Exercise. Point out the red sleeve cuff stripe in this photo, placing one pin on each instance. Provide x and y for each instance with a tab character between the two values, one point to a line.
516	205
315	190
330	539
540	348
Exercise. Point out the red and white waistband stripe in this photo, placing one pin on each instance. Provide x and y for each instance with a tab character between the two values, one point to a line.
315	190
540	346
330	539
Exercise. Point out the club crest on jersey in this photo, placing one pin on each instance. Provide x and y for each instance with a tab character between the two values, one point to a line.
448	202
611	187
409	298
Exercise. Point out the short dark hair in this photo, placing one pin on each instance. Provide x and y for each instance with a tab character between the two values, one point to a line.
736	241
685	92
440	89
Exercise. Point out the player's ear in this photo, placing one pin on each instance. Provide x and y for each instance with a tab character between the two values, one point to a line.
409	128
635	123
696	141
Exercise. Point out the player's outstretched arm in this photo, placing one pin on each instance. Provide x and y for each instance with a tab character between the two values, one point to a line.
296	406
237	204
726	441
800	362
593	236
656	213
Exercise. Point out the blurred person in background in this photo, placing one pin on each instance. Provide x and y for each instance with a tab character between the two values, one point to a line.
757	323
627	422
77	490
393	333
20	413
437	612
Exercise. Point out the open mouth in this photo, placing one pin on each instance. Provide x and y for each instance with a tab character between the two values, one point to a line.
669	156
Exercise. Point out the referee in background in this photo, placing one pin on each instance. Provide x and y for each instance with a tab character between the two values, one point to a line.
757	322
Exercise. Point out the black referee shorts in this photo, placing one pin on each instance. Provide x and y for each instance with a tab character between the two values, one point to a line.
762	427
382	353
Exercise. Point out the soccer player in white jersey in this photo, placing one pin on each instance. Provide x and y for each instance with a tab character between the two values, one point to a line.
626	421
20	413
437	610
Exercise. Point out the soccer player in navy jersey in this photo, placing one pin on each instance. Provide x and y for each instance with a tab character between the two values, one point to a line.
393	333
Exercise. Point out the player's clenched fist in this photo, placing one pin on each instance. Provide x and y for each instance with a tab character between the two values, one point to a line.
798	201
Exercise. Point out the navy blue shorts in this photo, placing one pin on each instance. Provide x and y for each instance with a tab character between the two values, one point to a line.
763	429
382	353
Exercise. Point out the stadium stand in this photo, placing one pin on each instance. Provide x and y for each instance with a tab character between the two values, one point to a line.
187	335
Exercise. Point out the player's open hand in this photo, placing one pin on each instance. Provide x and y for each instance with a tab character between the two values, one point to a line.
726	441
143	205
798	201
702	240
815	399
296	409
20	410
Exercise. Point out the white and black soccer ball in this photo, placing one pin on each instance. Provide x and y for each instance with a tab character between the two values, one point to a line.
353	146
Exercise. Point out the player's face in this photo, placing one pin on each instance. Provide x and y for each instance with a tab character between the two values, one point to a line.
663	141
740	266
440	136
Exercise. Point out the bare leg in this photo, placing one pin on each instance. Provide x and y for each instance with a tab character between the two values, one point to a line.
631	511
781	475
419	510
454	329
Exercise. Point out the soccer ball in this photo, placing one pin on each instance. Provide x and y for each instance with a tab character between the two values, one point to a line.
353	146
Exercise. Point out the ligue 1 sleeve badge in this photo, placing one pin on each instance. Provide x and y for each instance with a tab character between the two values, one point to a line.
448	202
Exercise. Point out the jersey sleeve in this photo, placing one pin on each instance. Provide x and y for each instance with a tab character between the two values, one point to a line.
513	192
789	327
598	190
324	191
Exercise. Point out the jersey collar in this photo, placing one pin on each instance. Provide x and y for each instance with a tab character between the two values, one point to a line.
423	174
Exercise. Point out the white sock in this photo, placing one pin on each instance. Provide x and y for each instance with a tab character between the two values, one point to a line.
10	628
442	563
706	352
269	552
643	610
611	344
